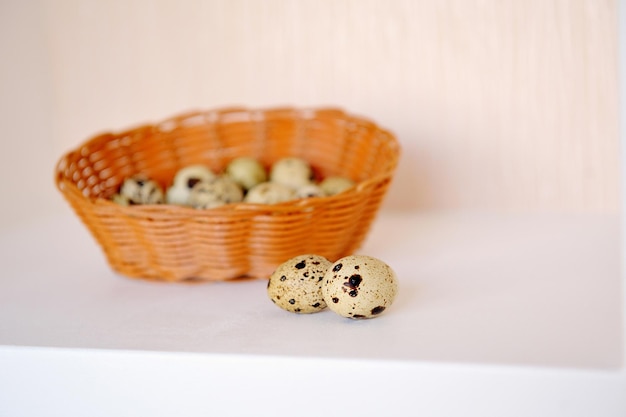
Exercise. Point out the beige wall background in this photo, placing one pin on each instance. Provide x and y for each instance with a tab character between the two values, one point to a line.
500	105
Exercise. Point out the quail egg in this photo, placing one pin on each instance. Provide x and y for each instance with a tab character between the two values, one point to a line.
335	184
309	190
296	285
359	287
246	171
120	199
214	193
269	193
292	172
184	181
140	189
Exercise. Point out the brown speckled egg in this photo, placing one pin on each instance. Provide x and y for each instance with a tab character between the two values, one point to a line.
184	181
359	287
296	285
140	189
215	193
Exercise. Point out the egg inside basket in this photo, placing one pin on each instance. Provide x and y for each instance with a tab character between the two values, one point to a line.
175	243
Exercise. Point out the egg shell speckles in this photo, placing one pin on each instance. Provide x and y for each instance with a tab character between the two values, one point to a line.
140	189
296	285
359	287
184	181
192	174
214	193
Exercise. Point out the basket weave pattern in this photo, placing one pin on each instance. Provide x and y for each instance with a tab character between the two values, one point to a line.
173	243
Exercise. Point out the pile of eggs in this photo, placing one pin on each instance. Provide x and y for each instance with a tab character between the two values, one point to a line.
244	180
355	286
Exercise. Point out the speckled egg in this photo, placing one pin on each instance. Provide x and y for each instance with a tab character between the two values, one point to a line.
246	171
309	190
359	287
184	180
292	172
214	193
335	185
269	193
296	285
140	189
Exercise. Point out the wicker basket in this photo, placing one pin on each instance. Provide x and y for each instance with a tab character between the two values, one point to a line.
173	243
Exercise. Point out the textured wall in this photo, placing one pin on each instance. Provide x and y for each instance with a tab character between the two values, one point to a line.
499	105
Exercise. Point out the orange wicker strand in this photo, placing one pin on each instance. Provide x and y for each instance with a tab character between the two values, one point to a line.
173	243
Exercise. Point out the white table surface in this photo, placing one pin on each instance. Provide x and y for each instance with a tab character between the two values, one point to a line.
509	300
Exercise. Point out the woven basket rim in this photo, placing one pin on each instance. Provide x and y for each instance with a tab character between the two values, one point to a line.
65	184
